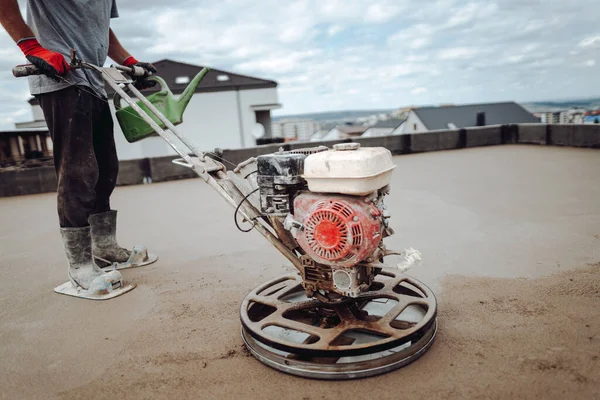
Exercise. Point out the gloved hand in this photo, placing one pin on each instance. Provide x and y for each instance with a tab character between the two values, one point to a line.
49	62
141	82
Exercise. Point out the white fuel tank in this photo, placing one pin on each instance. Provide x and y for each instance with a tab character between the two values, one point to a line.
349	169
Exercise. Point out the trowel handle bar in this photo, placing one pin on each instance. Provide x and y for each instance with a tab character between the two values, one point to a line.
25	70
29	69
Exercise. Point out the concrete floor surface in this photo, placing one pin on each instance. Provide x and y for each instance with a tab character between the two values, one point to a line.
511	242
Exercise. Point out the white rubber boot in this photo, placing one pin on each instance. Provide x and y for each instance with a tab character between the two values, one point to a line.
86	279
106	250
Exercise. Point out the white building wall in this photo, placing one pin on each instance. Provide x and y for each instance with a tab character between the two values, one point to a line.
333	134
551	118
37	112
399	130
318	135
36	122
295	129
563	118
413	124
249	98
375	132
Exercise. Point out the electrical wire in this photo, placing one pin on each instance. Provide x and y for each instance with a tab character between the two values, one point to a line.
250	173
237	209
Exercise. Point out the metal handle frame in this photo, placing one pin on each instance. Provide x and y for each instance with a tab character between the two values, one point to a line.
205	167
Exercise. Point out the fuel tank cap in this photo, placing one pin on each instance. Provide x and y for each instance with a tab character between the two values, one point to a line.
346	146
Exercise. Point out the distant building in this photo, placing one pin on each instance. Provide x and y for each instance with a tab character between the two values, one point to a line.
401	113
591	119
383	128
344	132
453	117
294	129
572	116
226	111
550	118
20	145
318	135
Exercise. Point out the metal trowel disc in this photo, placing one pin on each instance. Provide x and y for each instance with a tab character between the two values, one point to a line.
383	329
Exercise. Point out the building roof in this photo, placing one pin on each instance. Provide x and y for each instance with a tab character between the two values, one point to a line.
591	119
177	75
34	124
390	123
351	129
464	116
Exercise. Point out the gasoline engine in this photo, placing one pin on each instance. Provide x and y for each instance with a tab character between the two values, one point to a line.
331	202
348	312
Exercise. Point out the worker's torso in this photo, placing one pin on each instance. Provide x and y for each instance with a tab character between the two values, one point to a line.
65	24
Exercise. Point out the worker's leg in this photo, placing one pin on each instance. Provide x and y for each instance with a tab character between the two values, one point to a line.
68	114
106	155
103	221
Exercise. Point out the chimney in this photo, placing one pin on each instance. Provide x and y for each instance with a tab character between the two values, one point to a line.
480	118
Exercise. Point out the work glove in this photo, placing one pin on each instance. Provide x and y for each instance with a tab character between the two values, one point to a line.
49	62
140	82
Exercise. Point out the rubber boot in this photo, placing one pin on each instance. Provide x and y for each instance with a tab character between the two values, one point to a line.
104	238
83	272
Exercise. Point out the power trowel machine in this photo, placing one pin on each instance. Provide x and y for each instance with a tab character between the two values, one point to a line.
345	313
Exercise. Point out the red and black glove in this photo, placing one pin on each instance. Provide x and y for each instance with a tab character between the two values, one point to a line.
49	62
141	82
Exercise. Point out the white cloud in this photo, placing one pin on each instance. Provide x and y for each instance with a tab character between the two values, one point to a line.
419	43
414	36
334	29
455	53
294	80
470	13
280	63
383	11
591	41
515	58
356	11
328	54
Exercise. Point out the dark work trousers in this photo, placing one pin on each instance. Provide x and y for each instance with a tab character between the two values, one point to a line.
85	157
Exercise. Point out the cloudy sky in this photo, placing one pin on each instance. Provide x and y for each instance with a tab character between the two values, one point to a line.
364	54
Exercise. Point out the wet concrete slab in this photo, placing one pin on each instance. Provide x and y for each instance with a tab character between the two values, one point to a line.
509	212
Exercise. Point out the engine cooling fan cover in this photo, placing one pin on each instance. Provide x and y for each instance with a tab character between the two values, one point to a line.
338	230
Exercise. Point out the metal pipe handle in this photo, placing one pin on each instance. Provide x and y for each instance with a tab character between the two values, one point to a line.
182	162
25	70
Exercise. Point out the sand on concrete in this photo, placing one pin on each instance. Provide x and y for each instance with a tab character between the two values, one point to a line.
511	243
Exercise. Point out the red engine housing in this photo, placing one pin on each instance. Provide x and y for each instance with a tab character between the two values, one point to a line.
338	230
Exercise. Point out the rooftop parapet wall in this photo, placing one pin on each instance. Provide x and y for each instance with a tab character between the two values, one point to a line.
132	172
